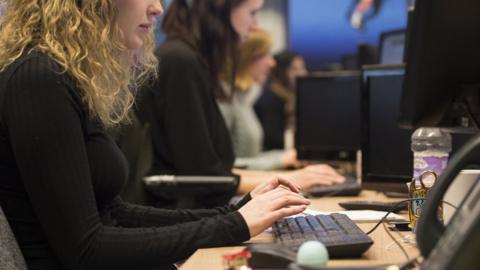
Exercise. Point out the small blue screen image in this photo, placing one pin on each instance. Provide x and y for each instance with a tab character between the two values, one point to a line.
321	32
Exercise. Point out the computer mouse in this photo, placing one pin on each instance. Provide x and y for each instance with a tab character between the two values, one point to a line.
270	256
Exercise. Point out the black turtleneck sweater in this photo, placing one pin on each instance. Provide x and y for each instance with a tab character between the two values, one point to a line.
60	175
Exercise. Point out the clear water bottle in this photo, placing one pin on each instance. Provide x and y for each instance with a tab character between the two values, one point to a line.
431	148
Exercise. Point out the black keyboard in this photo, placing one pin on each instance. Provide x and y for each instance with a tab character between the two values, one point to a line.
348	188
337	232
375	205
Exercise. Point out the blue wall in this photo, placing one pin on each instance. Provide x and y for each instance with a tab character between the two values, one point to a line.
159	35
320	29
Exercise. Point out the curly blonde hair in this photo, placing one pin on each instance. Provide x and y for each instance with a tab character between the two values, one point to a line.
83	37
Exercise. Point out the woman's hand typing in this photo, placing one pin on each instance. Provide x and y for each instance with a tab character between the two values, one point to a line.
273	184
266	208
315	175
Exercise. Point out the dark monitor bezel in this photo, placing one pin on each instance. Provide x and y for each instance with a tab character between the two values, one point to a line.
384	36
325	154
440	66
368	72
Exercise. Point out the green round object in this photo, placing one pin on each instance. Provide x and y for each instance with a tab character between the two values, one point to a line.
312	254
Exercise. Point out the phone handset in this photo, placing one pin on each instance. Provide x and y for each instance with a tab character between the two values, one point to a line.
430	227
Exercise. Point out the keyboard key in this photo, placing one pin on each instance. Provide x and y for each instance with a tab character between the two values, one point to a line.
297	236
282	226
310	236
285	237
328	223
293	226
315	224
302	221
348	226
321	234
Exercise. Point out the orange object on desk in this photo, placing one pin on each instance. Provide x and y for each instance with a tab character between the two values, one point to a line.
237	261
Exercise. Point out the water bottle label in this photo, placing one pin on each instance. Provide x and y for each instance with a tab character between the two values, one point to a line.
429	162
415	207
418	190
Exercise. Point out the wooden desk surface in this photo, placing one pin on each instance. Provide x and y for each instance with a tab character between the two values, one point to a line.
383	251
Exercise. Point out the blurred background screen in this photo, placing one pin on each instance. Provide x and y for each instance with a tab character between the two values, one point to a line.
321	30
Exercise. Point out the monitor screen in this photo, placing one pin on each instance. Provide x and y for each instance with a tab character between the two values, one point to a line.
392	45
328	116
386	153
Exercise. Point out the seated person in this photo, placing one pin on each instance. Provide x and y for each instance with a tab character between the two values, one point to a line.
189	134
275	108
246	132
68	70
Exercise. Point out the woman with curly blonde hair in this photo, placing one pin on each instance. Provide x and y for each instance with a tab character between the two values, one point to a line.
68	70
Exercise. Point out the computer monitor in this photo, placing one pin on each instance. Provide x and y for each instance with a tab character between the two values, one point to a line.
367	54
386	155
443	65
328	116
392	45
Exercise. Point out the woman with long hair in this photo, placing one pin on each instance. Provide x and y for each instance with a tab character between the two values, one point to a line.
254	66
68	70
189	134
275	108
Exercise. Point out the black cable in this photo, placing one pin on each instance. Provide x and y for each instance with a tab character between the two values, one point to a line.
396	242
388	213
470	113
396	206
410	264
450	204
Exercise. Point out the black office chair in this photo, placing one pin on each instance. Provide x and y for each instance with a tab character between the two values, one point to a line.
134	140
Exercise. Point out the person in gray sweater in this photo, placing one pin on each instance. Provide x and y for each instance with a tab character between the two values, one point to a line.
255	64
